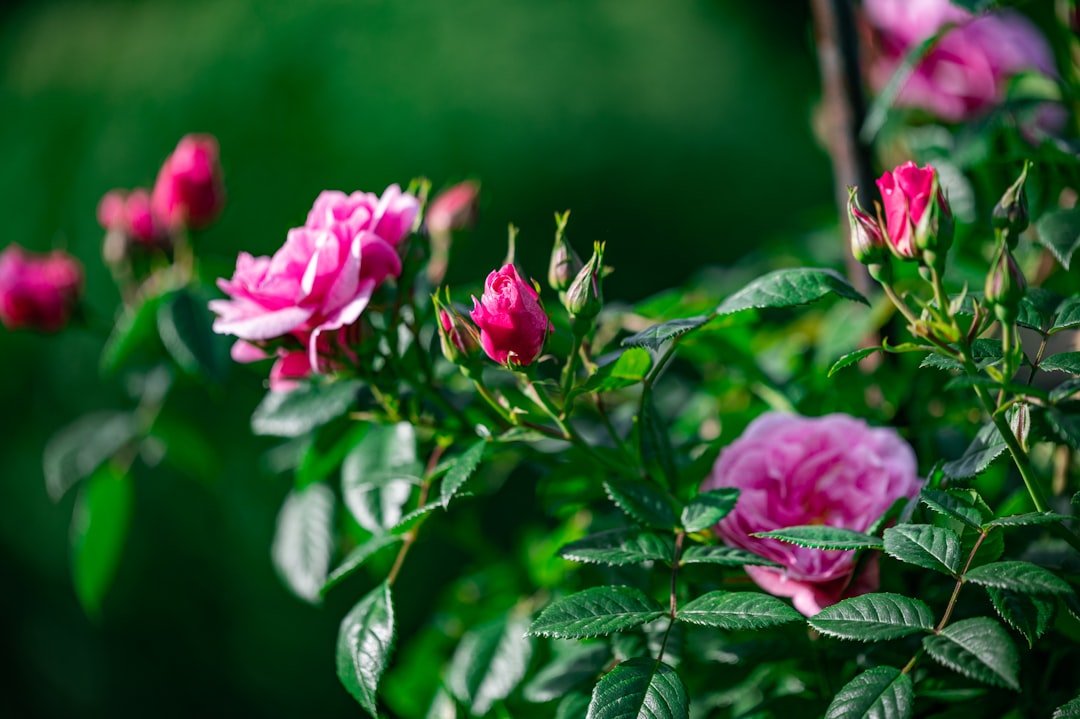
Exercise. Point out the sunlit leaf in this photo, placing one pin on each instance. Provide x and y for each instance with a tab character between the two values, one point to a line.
874	617
596	612
737	610
99	526
640	688
978	648
489	662
304	540
364	643
787	288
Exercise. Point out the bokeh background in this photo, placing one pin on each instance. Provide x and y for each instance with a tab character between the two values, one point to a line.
679	132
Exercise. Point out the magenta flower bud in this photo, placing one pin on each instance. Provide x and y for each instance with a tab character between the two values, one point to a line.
1005	287
459	339
38	291
867	239
453	209
110	210
513	324
189	191
140	221
917	217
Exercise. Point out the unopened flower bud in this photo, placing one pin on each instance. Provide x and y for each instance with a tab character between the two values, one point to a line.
867	239
917	216
453	209
1005	287
585	296
189	191
565	263
459	339
1011	211
38	291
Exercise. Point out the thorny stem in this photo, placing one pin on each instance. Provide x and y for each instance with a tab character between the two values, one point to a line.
410	536
679	537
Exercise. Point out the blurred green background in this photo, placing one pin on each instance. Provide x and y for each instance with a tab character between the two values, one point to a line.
679	132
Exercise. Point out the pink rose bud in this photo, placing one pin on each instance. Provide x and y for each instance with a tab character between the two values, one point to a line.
917	217
791	471
140	221
453	209
513	325
459	339
110	210
867	239
189	191
38	291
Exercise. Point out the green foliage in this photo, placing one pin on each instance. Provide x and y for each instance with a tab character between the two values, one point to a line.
1028	614
460	470
356	558
642	502
575	665
1018	577
304	540
365	640
99	526
819	536
184	327
291	414
630	368
708	508
924	545
619	547
654	337
787	288
737	610
595	612
489	663
1059	232
377	476
984	449
80	448
978	648
878	693
874	617
725	556
1062	362
640	688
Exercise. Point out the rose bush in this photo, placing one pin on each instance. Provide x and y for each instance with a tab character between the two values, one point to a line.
513	324
38	291
791	471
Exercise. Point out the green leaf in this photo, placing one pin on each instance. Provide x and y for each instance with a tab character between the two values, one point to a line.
572	706
304	540
630	368
642	502
926	546
655	441
619	547
1019	576
1065	390
134	328
878	693
724	556
1027	614
1062	362
1069	710
1064	421
958	505
1059	232
1027	519
874	617
819	536
596	612
708	508
184	325
364	642
99	526
983	450
413	518
291	414
653	337
489	662
84	445
985	352
460	470
1037	309
1067	315
574	666
640	688
357	557
737	610
978	648
852	358
786	288
378	475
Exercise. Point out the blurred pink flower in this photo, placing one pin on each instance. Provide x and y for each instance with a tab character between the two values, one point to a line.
790	471
452	209
513	325
133	215
38	291
189	191
965	72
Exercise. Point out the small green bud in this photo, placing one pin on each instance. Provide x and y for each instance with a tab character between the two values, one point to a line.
585	296
1011	211
565	263
459	339
1005	287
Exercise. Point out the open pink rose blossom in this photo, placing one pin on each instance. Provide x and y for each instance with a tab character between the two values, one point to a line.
513	325
834	470
38	291
320	281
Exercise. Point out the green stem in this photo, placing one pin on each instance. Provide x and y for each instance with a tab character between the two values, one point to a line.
672	600
410	536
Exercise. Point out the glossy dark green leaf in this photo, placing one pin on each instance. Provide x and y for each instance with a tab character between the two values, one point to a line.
618	547
356	558
874	617
655	441
926	546
653	337
958	505
737	610
1067	315
852	358
596	612
1059	232
708	508
1070	710
642	502
184	325
787	288
489	663
461	469
573	666
1027	519
99	527
878	693
1028	614
573	706
1062	362
1019	576
819	536
630	368
640	688
84	445
724	556
978	648
1064	421
304	540
983	450
364	643
291	414
378	475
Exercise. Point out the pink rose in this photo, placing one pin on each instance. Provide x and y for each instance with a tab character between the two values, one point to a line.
133	215
189	191
513	325
964	74
906	193
38	291
790	471
452	209
323	277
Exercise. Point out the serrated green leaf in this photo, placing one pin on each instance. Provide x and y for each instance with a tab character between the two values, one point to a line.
655	441
852	358
573	706
413	518
364	643
1069	710
984	351
1019	576
291	414
378	475
708	508
640	688
983	450
978	648
460	471
819	536
642	502
573	667
84	445
619	547
132	331
630	368
357	557
184	325
1030	615
737	610
1027	519
1065	390
1059	232
1062	362
874	617
596	612
1064	422
304	540
956	505
724	556
653	337
878	693
1037	308
99	527
1067	315
926	546
787	288
489	662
